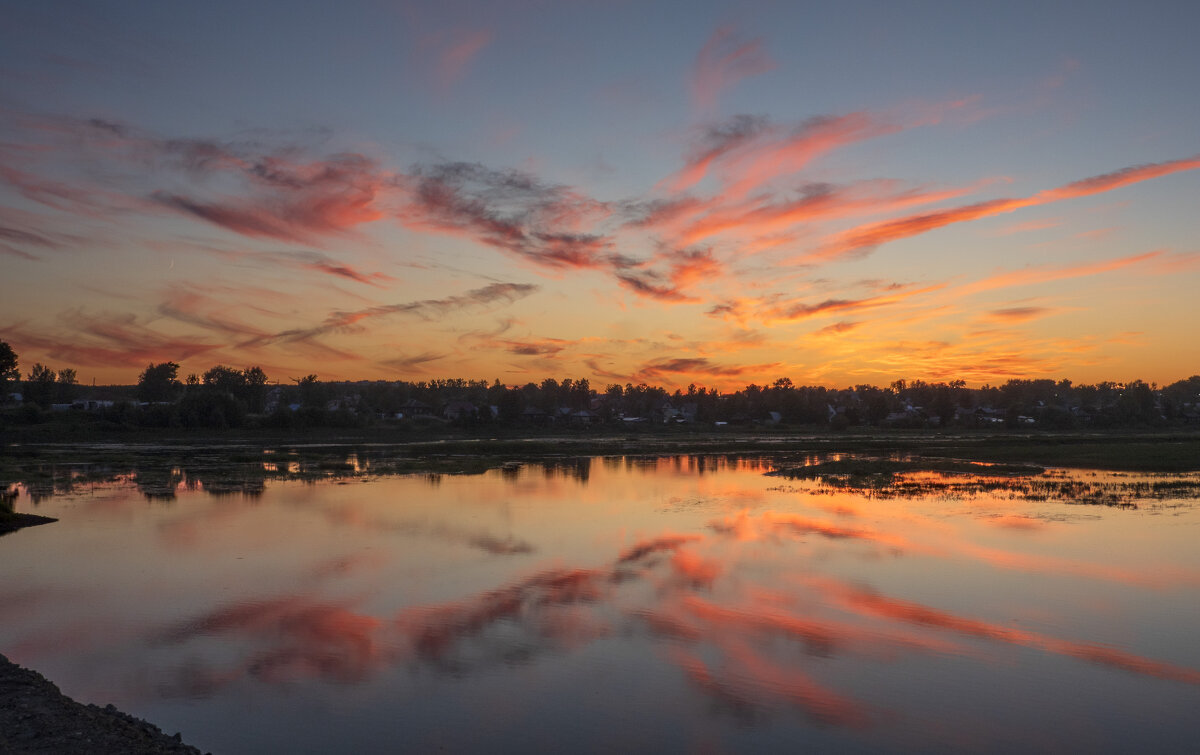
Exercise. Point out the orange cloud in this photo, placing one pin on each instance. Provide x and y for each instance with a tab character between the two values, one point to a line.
1045	273
694	570
667	542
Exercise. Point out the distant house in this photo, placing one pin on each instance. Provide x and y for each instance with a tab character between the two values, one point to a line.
664	411
909	417
459	409
415	408
985	415
535	416
584	417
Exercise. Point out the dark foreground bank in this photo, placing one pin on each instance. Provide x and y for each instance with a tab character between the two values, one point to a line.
10	522
36	718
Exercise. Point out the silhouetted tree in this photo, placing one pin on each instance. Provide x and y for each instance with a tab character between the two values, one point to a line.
1181	397
254	391
159	382
311	394
9	374
211	408
943	403
1135	404
39	385
224	379
65	386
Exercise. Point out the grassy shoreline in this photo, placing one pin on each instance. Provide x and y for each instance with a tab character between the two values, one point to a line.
1146	451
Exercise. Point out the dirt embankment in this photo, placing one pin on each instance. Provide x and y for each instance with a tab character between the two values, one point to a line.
35	717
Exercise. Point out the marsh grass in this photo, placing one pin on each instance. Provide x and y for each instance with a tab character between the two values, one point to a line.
949	478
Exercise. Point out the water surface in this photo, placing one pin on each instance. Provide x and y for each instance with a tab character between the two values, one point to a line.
675	604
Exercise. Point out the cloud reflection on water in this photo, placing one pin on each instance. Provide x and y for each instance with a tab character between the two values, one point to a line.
748	648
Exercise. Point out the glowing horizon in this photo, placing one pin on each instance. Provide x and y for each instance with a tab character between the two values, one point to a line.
386	192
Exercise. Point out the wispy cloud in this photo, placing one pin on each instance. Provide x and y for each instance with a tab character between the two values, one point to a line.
864	238
341	321
775	309
105	340
455	51
724	60
1047	273
412	362
305	260
509	210
843	326
697	366
1018	314
296	201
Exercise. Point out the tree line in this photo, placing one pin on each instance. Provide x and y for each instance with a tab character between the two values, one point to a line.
228	397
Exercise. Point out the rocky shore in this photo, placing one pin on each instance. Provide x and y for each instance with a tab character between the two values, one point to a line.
35	717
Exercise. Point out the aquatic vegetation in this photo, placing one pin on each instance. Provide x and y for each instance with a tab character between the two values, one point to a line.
952	478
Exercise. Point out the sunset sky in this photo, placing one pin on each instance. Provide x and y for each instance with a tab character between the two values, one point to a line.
674	193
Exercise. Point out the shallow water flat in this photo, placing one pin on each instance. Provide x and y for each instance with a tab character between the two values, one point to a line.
676	604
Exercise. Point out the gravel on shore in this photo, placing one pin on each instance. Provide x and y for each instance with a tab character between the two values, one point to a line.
35	717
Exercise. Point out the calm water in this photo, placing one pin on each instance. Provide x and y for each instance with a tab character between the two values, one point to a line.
677	604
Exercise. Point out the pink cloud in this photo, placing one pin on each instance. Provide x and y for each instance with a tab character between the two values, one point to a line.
922	615
1019	314
457	51
106	340
296	201
723	61
866	237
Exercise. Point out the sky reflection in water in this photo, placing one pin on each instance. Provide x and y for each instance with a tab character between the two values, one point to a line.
681	603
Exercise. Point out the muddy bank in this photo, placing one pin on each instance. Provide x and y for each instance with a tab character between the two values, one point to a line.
36	718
